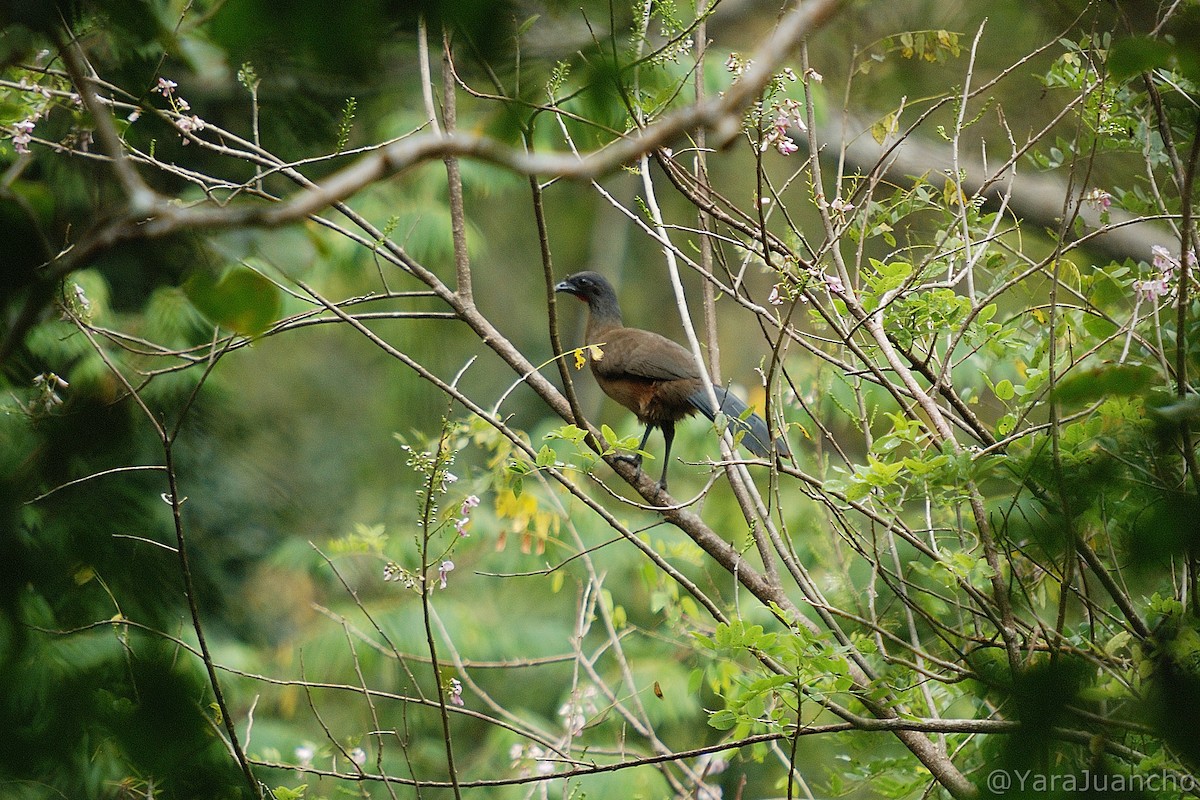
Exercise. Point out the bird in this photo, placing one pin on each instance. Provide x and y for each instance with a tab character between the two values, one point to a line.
655	378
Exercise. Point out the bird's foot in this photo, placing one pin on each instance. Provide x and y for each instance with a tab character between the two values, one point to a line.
628	459
637	462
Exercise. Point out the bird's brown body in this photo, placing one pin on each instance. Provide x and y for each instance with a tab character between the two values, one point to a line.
654	377
648	374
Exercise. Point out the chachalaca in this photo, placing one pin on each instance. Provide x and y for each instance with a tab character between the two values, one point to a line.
654	377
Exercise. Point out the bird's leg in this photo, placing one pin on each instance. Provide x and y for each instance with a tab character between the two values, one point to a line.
636	458
668	429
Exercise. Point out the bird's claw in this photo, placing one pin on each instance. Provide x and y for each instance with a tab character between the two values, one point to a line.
637	462
628	459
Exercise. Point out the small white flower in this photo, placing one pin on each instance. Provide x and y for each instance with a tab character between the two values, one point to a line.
304	755
841	207
82	299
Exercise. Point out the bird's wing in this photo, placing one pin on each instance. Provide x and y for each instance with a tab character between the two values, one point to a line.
643	355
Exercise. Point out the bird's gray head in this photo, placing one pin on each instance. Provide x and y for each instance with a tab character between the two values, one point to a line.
587	286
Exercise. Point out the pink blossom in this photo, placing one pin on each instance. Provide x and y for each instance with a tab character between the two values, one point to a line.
774	298
1166	262
786	146
165	87
24	134
1151	290
468	503
456	690
444	570
788	114
188	125
1163	260
791	112
1098	198
840	206
777	137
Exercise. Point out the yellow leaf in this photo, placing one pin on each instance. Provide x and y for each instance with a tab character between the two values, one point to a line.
579	358
83	575
952	195
885	127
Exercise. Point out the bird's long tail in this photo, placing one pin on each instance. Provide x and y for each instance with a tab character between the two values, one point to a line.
755	435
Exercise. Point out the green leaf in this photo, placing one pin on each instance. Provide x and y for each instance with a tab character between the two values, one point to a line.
571	433
1006	424
723	720
1132	56
527	24
1085	386
1004	389
858	490
242	300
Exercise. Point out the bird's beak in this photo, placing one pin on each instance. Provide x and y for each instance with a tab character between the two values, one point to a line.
566	286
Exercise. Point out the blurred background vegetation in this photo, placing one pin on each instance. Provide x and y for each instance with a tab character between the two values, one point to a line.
301	484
